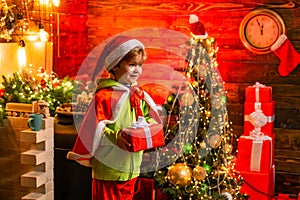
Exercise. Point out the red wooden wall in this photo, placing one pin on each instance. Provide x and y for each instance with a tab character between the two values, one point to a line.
71	38
86	24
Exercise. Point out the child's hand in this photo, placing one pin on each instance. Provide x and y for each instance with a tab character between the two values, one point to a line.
122	142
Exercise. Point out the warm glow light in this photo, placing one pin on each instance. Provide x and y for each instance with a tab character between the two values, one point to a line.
43	35
32	37
56	2
44	2
22	54
47	3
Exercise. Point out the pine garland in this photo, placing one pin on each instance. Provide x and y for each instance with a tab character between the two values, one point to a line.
24	87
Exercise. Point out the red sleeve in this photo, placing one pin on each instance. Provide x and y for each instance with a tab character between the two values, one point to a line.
100	108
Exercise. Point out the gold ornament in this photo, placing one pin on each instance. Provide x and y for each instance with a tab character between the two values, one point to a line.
180	174
214	140
187	99
199	173
203	145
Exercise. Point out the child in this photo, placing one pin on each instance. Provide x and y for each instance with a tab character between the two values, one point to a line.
116	104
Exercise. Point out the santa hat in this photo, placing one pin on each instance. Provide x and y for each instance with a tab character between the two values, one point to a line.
197	28
114	51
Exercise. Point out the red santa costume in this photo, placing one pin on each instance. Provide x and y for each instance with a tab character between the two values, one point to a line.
114	107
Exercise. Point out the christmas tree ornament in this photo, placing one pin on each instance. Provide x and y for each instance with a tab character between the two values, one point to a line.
171	98
204	187
197	28
187	149
180	174
207	167
199	173
202	145
214	140
288	56
187	99
2	92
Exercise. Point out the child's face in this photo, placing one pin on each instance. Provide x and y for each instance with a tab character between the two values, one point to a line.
129	72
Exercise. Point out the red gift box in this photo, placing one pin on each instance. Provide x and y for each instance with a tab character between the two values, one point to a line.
259	117
258	93
257	185
255	154
146	137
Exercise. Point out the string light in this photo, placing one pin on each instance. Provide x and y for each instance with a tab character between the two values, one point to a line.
212	146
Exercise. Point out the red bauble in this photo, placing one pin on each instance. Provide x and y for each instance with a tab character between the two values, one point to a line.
2	92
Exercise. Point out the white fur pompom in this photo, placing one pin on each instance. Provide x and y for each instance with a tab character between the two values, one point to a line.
193	19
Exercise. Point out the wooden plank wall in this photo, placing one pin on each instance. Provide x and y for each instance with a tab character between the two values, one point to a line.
70	41
239	67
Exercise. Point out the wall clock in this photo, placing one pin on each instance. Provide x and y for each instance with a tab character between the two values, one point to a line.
260	29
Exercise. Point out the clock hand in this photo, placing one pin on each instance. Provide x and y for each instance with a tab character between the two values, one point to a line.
261	27
258	23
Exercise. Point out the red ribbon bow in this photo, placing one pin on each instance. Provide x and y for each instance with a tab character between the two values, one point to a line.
136	95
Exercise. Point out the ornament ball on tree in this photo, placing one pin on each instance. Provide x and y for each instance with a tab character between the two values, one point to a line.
180	174
199	173
214	140
187	149
171	99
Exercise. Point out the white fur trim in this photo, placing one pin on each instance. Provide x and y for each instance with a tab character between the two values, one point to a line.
74	156
199	36
282	38
101	125
117	54
193	18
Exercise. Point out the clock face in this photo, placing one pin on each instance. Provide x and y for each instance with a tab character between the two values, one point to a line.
260	29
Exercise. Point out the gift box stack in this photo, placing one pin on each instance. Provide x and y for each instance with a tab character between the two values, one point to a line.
255	157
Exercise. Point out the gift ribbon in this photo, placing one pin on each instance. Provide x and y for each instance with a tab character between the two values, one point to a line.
148	137
256	150
257	86
141	123
257	118
136	95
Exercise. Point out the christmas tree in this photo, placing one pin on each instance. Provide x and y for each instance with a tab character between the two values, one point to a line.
198	160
